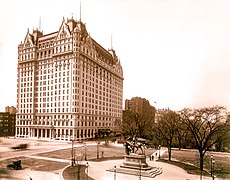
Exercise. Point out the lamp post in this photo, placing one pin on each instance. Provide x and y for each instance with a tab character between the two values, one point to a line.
159	147
87	170
78	171
52	131
72	153
85	153
211	164
98	150
115	171
213	167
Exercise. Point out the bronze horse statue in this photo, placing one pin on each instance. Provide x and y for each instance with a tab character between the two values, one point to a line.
138	145
133	145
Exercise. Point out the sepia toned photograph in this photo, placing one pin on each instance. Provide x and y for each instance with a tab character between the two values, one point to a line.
114	89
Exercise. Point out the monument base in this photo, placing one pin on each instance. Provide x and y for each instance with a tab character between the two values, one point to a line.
136	165
135	161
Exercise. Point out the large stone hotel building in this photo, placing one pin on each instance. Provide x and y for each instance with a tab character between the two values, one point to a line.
69	86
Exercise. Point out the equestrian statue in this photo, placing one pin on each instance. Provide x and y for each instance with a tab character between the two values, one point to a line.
133	145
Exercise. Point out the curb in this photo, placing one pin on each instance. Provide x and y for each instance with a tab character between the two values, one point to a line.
61	172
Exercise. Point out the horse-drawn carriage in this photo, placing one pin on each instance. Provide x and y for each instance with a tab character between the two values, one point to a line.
20	147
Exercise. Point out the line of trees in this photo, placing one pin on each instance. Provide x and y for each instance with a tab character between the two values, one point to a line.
203	129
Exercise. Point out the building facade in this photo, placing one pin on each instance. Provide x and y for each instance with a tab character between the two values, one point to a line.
69	86
7	124
140	105
10	109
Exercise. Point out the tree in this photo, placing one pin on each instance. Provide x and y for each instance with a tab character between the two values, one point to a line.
145	121
166	126
129	123
207	126
181	134
139	123
223	144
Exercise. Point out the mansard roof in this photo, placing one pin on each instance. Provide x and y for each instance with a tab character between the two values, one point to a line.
66	29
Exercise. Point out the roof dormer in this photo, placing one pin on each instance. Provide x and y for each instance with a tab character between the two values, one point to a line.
64	31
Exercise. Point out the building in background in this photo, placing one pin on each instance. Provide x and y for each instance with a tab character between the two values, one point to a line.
138	118
140	106
68	85
8	121
10	109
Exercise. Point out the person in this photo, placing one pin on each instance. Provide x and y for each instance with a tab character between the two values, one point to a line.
102	153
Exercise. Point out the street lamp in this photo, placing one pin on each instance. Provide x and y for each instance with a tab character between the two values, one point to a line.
72	153
85	153
87	170
159	147
78	171
211	164
115	171
98	150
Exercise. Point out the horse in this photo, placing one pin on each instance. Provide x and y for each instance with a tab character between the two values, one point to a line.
138	145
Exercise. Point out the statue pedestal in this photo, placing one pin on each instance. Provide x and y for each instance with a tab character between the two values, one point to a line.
135	161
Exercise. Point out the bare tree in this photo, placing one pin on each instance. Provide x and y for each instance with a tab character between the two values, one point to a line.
207	126
166	126
223	144
139	123
145	121
181	134
129	125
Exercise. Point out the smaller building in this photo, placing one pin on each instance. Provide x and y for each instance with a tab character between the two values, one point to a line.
10	109
142	106
7	122
138	105
138	117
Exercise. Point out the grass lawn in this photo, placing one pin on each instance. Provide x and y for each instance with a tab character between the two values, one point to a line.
221	167
187	167
35	164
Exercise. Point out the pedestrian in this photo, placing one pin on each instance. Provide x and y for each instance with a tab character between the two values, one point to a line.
102	153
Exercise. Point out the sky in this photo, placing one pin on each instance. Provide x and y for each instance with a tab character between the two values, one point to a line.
174	53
